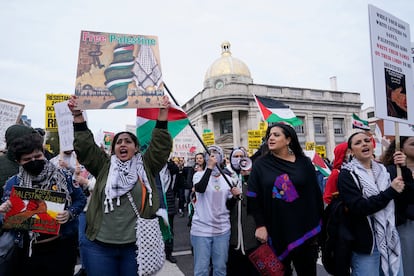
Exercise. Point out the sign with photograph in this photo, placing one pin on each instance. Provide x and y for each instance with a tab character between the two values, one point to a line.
10	113
118	71
391	66
34	209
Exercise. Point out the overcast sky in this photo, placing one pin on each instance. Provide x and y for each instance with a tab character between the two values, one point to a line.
288	43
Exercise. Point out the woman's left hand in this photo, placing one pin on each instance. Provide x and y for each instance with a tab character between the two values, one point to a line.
63	217
164	106
400	158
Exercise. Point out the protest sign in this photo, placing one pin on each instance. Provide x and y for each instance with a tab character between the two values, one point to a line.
10	113
118	71
391	66
34	209
64	121
50	116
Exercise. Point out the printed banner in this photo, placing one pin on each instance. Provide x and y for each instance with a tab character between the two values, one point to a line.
118	71
34	209
50	116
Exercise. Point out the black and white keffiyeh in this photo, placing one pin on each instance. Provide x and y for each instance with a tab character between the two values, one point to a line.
50	178
122	177
386	235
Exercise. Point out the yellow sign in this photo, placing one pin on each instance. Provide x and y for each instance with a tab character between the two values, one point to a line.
263	125
50	116
321	150
208	138
310	146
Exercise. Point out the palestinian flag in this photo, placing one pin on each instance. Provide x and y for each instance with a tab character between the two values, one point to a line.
147	117
318	162
274	111
359	123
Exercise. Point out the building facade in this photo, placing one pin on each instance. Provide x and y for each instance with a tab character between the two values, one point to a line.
226	106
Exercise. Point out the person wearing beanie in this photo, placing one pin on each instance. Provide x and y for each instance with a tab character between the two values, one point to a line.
331	188
8	164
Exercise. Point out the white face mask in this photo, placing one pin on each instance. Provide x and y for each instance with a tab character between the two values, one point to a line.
235	158
217	152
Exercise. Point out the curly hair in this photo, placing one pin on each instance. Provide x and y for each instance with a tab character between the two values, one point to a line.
26	144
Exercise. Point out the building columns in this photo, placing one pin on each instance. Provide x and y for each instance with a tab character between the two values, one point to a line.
236	128
210	122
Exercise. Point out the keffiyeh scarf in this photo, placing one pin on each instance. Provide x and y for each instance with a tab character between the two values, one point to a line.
122	178
386	235
50	178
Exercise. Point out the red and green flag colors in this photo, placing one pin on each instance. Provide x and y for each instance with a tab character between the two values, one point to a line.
274	111
318	162
147	117
359	123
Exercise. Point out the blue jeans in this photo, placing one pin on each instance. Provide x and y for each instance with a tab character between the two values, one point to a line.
82	236
365	264
109	260
216	248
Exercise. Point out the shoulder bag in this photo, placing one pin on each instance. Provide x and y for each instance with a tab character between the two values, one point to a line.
150	244
266	261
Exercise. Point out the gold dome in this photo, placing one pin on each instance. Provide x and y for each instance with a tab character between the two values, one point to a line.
227	65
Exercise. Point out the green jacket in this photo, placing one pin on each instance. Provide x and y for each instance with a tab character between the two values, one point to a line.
98	163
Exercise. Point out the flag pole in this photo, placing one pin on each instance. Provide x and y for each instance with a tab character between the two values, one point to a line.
397	144
198	137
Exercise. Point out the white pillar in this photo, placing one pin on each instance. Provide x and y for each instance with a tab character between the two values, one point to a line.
210	122
236	128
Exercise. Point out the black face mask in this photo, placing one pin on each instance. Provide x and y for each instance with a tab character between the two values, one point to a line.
34	167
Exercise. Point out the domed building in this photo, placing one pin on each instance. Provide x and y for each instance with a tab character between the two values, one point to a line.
227	108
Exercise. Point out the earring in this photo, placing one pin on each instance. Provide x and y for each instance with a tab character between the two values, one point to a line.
290	151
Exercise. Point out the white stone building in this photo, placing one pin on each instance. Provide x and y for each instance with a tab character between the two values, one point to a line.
226	106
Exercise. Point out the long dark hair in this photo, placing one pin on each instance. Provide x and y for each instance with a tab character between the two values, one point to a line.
387	157
116	137
288	131
203	166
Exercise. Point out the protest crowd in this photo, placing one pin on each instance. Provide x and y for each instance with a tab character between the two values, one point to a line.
242	210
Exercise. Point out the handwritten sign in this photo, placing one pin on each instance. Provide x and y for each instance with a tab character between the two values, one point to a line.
64	121
10	113
118	71
391	66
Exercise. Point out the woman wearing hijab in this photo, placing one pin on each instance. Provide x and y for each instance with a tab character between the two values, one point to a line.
110	247
210	228
367	191
242	239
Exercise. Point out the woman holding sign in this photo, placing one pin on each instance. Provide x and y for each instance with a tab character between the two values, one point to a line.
125	186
